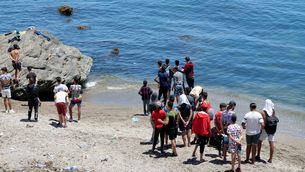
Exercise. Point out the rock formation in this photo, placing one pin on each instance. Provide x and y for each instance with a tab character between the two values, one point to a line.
49	59
65	10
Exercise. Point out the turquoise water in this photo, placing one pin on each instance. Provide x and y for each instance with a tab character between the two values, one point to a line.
251	47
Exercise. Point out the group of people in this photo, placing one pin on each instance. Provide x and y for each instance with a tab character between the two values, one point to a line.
61	91
193	115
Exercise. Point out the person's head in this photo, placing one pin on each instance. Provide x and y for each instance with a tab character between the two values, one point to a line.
144	83
231	105
29	68
177	62
16	47
9	49
159	63
187	59
167	61
252	106
171	98
204	95
170	105
4	70
153	97
58	80
158	105
222	106
233	118
188	90
202	108
163	68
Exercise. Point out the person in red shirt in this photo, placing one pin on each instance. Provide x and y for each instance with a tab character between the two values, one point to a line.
207	104
189	72
217	124
158	118
202	128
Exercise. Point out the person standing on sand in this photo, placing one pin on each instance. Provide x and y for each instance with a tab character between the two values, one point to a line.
206	103
145	93
14	55
202	128
61	103
76	98
169	71
189	72
6	82
171	126
226	120
178	83
31	76
164	84
152	107
270	121
217	124
59	86
158	118
252	122
235	136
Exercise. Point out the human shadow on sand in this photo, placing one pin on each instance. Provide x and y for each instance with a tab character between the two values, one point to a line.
156	154
192	161
212	155
27	120
217	161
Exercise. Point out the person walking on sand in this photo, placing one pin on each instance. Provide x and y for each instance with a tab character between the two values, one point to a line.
61	102
14	55
226	120
189	72
171	126
158	118
32	91
6	82
235	136
145	93
76	98
164	84
252	122
185	119
270	121
60	86
202	129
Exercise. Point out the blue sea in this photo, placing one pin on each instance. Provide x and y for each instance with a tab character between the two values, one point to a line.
251	47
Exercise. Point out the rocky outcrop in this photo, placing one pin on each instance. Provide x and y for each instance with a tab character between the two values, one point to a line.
82	27
65	10
49	59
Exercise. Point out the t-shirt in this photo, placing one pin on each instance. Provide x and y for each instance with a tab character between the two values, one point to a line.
189	70
178	78
218	120
235	131
75	91
163	79
60	87
6	80
253	121
196	91
201	124
60	97
191	99
227	117
158	114
145	92
32	91
172	122
207	104
31	76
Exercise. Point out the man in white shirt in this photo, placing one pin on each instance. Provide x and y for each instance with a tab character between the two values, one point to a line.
252	122
60	86
61	101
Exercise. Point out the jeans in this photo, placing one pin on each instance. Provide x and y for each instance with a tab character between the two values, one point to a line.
146	106
159	131
163	91
190	82
33	104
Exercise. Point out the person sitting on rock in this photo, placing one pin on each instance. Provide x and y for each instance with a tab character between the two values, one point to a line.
15	57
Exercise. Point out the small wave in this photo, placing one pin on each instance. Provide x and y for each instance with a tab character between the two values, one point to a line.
91	84
117	88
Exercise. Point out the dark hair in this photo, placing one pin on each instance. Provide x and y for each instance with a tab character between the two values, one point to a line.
29	68
163	68
58	79
188	90
171	98
15	46
4	69
144	82
232	103
233	118
170	104
187	59
9	49
252	106
159	63
177	62
166	61
204	95
222	105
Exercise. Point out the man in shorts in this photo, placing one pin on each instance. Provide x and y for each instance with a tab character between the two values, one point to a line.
59	86
76	98
171	126
15	57
6	81
61	102
252	122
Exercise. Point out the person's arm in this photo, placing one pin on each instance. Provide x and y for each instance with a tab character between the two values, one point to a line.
190	117
264	118
156	79
140	91
11	57
67	99
180	118
243	123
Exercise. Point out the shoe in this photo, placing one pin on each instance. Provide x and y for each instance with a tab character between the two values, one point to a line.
11	111
6	111
36	119
237	170
257	158
70	120
270	161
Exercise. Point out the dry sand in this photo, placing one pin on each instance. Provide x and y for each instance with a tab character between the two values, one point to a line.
106	139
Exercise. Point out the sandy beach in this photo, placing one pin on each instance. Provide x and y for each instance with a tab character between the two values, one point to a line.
107	139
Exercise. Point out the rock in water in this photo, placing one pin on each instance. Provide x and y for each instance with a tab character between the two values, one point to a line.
49	59
82	27
65	10
115	51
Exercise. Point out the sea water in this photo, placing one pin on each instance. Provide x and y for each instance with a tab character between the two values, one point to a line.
252	47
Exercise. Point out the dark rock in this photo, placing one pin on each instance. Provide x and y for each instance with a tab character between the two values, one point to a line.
115	51
48	59
82	27
65	10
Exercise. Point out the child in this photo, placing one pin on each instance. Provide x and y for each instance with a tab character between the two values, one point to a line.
202	128
235	135
158	118
171	126
145	92
217	123
61	102
166	109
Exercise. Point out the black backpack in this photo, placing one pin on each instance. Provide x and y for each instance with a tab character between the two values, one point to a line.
271	124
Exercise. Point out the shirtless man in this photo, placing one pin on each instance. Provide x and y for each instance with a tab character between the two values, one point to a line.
15	57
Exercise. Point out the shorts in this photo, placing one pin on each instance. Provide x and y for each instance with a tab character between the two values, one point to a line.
178	90
16	66
183	128
253	139
264	135
172	133
72	103
6	93
61	108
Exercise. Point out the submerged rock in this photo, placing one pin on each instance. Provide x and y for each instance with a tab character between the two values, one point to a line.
49	59
65	10
82	27
115	51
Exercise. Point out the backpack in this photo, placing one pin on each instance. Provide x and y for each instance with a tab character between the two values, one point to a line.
271	124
